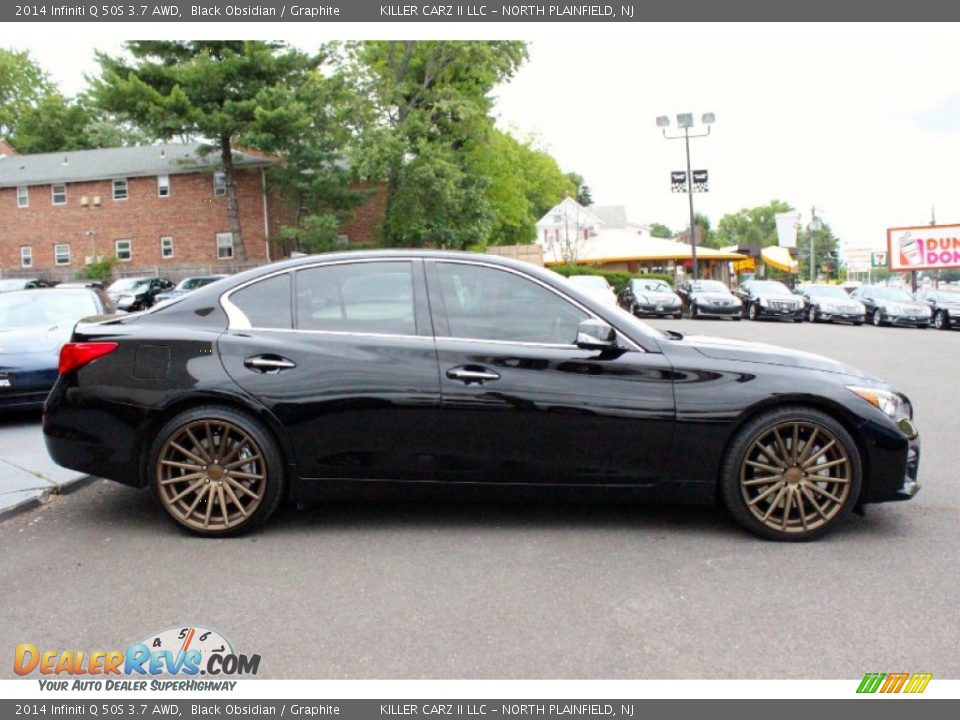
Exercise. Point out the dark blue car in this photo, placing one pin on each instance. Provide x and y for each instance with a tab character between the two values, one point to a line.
34	324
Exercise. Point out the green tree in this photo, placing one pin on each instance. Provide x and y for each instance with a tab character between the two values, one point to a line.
707	236
658	230
750	226
58	123
428	108
583	195
23	86
224	92
826	252
524	182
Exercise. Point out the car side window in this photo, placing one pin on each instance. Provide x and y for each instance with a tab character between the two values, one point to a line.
266	303
364	297
485	303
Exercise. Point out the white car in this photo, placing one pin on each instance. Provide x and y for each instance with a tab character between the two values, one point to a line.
596	286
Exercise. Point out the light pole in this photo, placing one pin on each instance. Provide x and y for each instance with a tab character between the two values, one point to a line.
685	121
815	226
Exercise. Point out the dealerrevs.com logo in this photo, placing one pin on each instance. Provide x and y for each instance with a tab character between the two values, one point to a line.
887	683
187	651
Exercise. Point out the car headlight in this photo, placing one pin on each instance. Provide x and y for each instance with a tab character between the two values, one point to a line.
642	298
737	301
926	312
764	302
892	404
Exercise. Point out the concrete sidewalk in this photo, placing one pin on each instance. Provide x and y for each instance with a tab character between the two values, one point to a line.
27	474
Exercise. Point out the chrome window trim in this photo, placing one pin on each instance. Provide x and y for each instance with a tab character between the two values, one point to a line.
237	319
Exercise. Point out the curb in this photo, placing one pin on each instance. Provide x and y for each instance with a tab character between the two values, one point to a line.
43	498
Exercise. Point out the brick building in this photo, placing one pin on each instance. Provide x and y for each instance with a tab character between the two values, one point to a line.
160	209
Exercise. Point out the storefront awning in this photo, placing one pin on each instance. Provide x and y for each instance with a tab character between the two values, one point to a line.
779	258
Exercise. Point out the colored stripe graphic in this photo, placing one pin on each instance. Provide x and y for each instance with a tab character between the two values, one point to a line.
894	682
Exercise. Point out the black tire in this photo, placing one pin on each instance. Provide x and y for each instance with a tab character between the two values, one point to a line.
812	314
858	323
735	465
940	320
270	492
678	316
694	312
753	312
876	318
737	318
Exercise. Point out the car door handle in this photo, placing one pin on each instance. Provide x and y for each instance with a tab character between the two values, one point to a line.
472	374
271	364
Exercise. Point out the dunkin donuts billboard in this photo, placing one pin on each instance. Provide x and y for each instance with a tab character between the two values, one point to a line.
925	247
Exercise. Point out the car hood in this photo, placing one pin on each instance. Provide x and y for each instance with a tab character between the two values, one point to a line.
713	296
725	349
656	295
34	340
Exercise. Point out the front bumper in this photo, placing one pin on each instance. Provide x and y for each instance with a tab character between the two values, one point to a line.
707	310
840	315
656	308
778	313
892	463
909	320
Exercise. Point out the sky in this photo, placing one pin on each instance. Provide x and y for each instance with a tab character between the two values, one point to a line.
861	121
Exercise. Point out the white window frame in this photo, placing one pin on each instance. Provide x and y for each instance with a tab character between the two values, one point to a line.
56	253
163	255
219	184
54	194
116	248
23	196
221	246
126	189
26	256
163	183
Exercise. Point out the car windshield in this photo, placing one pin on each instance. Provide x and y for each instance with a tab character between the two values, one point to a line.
651	286
825	291
128	284
7	285
596	282
709	286
771	288
893	294
44	309
192	283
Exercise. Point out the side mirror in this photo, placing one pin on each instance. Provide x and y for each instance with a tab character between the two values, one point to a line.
595	335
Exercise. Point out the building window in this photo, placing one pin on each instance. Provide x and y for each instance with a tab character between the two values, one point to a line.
120	189
224	246
23	197
61	254
166	247
58	194
26	256
163	185
123	250
219	184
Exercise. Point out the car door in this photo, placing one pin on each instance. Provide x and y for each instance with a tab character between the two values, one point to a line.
523	404
343	356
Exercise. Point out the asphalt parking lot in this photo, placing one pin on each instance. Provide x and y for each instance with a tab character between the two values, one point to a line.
528	590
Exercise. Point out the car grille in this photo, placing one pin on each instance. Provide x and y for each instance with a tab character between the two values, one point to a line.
783	305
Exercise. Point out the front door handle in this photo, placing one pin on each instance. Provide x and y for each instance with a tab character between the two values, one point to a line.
472	374
268	364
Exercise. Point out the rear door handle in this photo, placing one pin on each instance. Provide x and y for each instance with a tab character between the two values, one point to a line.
268	364
472	374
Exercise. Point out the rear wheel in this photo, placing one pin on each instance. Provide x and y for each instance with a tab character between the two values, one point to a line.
216	471
791	474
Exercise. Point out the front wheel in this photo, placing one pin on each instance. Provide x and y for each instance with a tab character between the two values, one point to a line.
876	318
812	314
791	474
940	321
694	312
754	312
216	471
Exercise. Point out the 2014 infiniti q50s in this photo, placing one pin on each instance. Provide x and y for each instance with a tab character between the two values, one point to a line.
434	367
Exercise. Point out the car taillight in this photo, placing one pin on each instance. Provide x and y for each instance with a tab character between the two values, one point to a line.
76	355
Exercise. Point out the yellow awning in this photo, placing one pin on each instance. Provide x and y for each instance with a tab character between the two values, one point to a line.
780	258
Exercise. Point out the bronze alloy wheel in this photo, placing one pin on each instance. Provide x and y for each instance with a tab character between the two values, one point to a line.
211	475
796	477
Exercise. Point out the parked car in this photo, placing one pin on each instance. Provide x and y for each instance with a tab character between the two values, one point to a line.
944	305
649	296
351	369
830	303
711	298
11	284
892	306
596	286
186	285
769	299
34	324
137	293
91	284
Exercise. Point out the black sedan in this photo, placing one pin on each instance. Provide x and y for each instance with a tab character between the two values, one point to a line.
34	325
892	306
187	285
944	305
13	284
134	294
769	299
355	369
711	298
650	296
831	303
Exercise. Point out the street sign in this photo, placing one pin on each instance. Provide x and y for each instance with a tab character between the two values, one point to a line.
701	181
878	259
